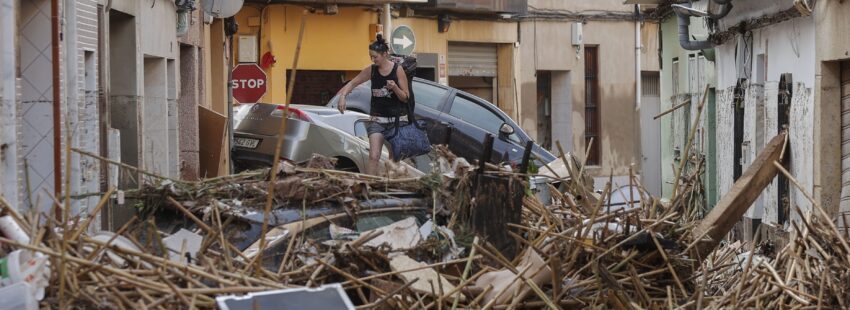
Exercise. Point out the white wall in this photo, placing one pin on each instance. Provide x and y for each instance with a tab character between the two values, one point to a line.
8	96
788	47
81	73
159	29
156	45
749	9
159	46
35	107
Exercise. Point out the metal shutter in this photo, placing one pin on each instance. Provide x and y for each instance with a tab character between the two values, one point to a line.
844	203
472	59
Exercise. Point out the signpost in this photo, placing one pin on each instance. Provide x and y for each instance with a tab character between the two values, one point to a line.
402	40
248	82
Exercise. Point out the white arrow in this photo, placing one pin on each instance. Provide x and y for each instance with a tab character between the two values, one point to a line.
404	41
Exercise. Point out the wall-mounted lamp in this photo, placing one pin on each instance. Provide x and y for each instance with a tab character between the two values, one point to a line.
443	23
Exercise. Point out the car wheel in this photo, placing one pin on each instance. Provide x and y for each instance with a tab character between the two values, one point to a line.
345	164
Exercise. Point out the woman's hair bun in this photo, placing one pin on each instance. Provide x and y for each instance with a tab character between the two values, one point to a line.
380	44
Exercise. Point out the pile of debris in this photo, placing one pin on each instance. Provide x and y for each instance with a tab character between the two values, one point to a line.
419	242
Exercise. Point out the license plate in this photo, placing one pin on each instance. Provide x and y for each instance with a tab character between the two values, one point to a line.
247	143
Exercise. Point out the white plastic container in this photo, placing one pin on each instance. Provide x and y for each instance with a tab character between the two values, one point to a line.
540	187
17	297
12	230
24	267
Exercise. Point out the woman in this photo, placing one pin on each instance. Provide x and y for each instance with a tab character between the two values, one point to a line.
389	97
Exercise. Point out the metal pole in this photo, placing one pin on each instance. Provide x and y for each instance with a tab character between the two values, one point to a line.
229	102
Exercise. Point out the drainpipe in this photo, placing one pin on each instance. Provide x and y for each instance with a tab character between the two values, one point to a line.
638	126
57	100
637	58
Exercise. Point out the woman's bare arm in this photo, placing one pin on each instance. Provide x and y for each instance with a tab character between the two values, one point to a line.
361	77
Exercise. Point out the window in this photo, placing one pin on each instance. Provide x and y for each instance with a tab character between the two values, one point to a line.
473	113
696	73
360	129
428	95
592	117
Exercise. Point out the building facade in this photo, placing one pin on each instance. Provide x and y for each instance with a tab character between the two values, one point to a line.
121	80
831	109
526	60
769	67
582	64
684	77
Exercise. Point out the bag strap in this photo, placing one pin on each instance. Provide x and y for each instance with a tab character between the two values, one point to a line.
411	104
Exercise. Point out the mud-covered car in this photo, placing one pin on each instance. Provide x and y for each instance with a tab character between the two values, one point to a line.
462	118
309	130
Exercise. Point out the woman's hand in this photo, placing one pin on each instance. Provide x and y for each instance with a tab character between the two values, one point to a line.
391	85
341	104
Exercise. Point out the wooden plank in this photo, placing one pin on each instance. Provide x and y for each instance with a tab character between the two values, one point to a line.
212	128
735	203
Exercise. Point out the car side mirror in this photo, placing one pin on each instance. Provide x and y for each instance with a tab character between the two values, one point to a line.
506	129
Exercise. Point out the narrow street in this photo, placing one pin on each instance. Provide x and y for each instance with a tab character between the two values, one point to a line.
400	154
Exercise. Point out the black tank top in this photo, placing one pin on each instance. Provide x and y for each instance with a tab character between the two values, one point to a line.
384	102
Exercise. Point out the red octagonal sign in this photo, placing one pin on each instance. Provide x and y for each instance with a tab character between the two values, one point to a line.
248	82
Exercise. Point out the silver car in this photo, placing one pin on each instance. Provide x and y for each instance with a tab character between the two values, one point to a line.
309	130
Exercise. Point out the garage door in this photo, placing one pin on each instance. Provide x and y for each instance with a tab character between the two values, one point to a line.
472	59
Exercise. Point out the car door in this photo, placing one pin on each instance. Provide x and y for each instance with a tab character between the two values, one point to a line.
472	120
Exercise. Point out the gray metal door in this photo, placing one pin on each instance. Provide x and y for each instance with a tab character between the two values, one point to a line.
472	59
650	133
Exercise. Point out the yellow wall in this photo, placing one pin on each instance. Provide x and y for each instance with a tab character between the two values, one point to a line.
340	42
330	42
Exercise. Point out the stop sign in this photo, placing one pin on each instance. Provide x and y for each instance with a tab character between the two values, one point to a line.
248	83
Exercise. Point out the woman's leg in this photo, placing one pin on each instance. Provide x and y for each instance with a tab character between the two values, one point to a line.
376	144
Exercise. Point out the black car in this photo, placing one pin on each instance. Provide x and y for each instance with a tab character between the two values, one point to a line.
461	117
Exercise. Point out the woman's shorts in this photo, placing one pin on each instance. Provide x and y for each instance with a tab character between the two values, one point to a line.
381	124
376	127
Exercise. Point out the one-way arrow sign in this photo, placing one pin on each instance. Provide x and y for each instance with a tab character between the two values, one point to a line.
403	40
